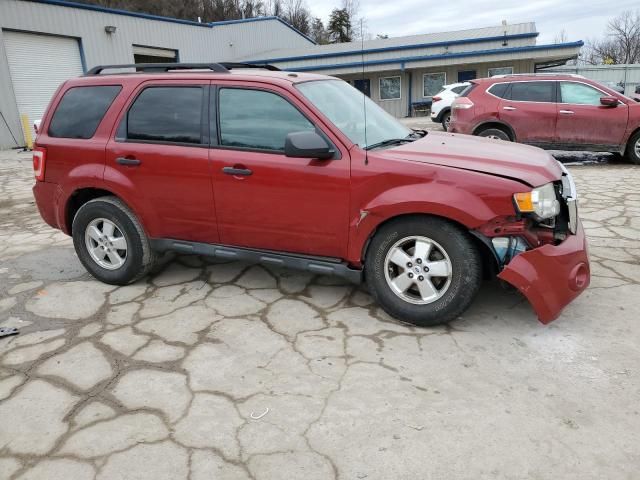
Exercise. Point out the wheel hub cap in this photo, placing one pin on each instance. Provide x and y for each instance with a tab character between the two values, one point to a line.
418	270
106	244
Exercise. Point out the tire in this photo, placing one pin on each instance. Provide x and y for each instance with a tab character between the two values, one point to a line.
495	133
633	149
453	294
446	119
90	229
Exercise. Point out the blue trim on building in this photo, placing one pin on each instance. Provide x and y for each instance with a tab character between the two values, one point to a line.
414	46
419	58
147	16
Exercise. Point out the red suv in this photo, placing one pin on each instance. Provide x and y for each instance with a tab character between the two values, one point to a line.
562	112
278	167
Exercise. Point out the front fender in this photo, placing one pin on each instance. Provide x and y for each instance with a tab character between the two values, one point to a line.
446	200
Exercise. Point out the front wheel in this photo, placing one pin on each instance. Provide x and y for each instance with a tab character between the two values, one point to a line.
423	270
633	149
110	241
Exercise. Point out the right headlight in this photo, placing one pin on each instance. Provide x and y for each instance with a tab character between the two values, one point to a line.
541	201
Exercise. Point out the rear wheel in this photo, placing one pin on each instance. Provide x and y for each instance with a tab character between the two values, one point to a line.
495	133
633	149
110	241
446	120
423	270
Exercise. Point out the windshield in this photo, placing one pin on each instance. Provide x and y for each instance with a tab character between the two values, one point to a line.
345	107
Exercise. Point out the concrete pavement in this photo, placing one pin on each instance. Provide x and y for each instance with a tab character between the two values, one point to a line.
237	371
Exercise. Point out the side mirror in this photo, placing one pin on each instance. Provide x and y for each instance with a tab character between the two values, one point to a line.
609	101
307	145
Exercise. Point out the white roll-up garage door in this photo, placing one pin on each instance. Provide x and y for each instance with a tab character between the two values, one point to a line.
38	65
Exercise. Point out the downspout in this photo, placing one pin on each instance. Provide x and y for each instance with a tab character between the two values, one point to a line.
410	94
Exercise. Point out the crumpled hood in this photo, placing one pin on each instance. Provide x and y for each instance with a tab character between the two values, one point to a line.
528	164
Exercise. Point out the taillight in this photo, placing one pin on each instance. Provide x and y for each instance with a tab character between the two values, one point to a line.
39	158
461	103
436	99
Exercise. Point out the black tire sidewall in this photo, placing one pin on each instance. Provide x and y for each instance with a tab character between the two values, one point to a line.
465	281
444	120
133	263
631	153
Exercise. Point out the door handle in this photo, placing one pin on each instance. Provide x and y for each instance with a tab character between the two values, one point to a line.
509	108
567	112
235	171
130	162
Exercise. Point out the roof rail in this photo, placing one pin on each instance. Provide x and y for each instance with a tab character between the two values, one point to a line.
541	74
265	66
167	67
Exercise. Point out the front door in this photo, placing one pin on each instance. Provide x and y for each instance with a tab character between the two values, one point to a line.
530	109
264	199
583	120
158	160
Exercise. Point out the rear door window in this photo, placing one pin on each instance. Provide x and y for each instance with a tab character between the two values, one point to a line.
167	115
257	120
81	110
459	90
533	91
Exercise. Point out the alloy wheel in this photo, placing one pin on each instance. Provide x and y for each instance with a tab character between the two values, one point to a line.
418	270
106	243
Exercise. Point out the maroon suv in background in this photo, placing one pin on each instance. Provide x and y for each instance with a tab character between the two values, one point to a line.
562	112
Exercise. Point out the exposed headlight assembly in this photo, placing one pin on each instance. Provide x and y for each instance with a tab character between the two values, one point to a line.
540	201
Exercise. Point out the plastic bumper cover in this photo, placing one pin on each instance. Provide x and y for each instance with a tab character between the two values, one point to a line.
551	276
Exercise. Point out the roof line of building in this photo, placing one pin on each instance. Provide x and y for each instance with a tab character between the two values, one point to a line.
148	16
419	58
413	46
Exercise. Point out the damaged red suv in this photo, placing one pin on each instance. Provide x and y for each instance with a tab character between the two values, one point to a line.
278	168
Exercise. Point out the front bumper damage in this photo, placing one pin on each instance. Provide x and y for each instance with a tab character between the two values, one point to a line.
551	276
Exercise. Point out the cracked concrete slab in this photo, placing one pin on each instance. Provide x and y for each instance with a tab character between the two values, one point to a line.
229	370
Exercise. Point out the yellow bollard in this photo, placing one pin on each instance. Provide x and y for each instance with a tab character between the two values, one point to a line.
26	128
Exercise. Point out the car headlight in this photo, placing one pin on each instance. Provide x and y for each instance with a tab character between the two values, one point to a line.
541	200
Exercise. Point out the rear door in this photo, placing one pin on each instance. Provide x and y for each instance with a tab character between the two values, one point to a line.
264	199
530	109
583	120
158	159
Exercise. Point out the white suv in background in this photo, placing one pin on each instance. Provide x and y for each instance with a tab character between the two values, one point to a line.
441	102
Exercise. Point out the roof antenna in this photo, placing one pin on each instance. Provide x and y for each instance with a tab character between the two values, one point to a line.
364	96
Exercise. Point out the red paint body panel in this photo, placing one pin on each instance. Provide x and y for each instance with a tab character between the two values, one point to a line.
530	121
591	124
551	276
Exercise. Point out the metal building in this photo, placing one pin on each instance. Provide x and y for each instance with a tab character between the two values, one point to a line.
44	42
399	73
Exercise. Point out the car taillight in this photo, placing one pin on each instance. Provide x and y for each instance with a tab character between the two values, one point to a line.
39	158
461	103
436	99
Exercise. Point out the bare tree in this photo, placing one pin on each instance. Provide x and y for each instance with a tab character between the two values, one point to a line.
297	15
561	37
621	43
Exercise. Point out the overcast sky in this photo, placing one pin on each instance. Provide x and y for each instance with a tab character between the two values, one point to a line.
581	19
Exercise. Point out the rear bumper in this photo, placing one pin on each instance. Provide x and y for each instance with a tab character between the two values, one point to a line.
45	195
551	276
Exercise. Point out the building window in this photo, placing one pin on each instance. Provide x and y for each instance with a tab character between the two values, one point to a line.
364	85
432	83
500	71
390	88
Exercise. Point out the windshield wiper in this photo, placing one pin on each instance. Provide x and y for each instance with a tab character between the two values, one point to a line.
419	131
390	141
